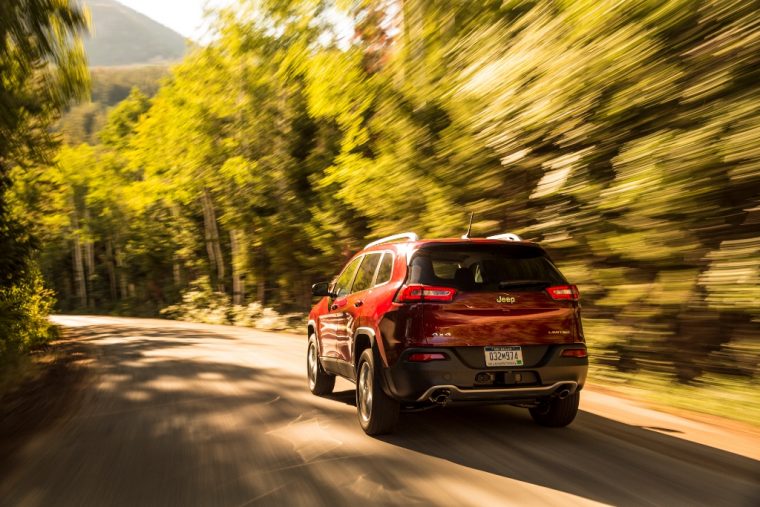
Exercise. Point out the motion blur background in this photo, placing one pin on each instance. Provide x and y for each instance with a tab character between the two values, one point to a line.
622	135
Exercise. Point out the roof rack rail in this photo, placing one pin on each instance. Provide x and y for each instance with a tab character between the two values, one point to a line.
509	236
404	235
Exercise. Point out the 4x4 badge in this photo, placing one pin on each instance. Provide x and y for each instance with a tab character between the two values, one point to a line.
506	299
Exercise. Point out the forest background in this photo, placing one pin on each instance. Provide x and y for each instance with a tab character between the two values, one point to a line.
623	136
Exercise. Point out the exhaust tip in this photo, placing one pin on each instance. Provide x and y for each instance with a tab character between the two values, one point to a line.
440	396
564	393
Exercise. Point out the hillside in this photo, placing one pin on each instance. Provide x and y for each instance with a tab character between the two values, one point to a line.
123	36
110	85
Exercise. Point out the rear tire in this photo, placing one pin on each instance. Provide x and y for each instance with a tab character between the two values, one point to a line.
320	382
378	412
557	413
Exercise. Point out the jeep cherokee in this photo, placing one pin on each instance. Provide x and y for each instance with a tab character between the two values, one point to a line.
424	323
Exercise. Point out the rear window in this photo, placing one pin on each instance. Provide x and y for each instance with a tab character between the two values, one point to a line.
484	268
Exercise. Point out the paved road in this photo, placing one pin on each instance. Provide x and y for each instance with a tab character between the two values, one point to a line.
187	414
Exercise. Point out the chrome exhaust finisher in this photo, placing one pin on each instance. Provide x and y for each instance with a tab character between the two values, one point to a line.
445	394
440	396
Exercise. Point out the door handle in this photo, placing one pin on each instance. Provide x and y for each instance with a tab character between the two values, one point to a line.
339	303
358	303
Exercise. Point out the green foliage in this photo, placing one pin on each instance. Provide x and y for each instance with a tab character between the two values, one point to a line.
24	309
200	303
622	136
82	123
111	85
42	69
123	118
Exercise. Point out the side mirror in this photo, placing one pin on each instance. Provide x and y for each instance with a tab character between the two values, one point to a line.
321	289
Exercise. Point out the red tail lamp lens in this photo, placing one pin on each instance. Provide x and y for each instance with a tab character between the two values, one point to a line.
426	293
425	357
574	353
566	292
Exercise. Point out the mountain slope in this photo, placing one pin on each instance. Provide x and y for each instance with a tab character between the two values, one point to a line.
123	36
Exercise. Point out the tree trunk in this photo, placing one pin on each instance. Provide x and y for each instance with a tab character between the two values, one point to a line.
111	266
305	295
121	275
239	265
68	292
89	260
80	280
207	231
176	271
261	292
176	260
212	239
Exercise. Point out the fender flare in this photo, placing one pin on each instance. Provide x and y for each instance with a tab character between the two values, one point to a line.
313	324
375	344
378	351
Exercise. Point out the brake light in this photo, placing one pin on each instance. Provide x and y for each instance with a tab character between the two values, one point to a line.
574	353
425	357
426	293
567	292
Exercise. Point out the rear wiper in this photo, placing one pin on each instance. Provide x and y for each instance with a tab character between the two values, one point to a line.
523	283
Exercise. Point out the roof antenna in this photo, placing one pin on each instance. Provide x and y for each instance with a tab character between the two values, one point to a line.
469	227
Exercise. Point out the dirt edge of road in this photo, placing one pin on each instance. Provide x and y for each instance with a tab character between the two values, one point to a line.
726	423
48	395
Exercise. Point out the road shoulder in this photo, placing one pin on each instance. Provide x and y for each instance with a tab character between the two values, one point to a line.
710	430
44	397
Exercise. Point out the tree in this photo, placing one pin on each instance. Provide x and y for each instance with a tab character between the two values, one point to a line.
42	68
620	135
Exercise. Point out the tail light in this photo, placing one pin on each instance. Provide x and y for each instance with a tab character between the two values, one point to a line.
566	292
575	352
425	357
412	293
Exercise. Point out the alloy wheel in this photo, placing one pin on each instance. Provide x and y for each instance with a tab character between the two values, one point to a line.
364	390
312	365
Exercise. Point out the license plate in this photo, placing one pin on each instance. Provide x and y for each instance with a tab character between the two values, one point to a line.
503	356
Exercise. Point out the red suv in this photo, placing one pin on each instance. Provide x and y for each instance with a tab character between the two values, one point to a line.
423	323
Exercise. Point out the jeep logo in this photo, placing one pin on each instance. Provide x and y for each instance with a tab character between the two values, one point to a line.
505	299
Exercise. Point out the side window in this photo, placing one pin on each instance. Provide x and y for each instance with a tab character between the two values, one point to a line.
343	285
366	272
385	270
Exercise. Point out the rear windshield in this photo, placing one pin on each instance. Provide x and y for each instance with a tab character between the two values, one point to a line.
484	268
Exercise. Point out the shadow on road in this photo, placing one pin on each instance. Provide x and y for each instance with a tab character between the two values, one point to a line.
89	333
167	419
595	458
173	417
348	397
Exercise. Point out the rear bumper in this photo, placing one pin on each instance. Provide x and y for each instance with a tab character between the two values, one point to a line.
507	394
551	375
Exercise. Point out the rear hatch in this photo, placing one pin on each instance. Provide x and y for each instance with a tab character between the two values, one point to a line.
492	294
